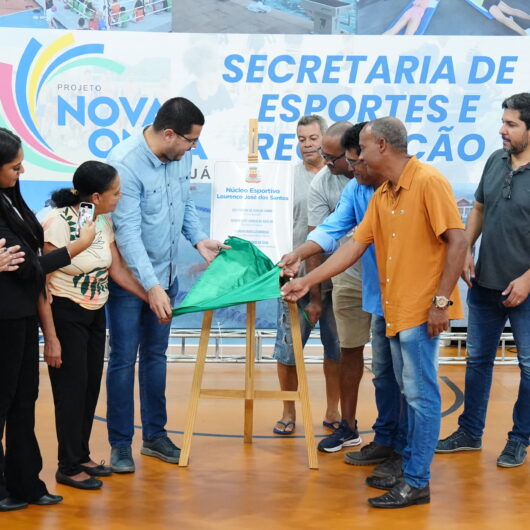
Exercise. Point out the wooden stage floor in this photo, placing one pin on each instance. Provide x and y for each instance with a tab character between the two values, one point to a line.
267	485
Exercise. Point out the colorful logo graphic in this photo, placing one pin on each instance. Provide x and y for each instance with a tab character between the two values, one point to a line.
253	175
19	93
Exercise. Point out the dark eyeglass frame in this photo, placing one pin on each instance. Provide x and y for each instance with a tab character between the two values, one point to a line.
507	186
190	140
329	158
353	163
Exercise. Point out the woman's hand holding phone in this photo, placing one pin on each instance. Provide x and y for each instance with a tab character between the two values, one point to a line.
87	233
86	229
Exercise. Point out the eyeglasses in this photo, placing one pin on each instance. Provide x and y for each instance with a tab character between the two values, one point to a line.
190	140
507	186
352	162
329	158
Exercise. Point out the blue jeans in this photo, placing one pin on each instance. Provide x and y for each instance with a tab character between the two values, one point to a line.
415	358
487	318
283	347
134	327
390	426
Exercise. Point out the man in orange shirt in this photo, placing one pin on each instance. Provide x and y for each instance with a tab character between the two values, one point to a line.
420	248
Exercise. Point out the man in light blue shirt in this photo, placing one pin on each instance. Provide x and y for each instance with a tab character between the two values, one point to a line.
156	208
353	324
390	428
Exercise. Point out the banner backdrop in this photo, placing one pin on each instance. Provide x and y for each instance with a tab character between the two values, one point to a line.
72	96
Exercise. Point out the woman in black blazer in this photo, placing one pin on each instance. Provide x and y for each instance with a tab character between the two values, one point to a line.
23	303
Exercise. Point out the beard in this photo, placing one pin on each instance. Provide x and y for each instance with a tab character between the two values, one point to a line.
517	148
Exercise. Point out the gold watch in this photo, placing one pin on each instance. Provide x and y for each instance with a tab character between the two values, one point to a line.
441	302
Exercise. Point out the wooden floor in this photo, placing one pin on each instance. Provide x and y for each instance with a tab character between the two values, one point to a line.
267	485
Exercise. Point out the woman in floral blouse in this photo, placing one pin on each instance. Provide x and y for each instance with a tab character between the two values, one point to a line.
79	292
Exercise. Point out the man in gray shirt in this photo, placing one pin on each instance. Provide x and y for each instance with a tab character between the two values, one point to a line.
317	305
353	324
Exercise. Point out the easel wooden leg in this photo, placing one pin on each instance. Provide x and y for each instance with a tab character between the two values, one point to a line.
249	371
195	388
302	387
250	393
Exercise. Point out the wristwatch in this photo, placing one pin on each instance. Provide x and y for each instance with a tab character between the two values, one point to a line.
441	302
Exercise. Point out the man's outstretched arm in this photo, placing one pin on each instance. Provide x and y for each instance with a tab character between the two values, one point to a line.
290	263
347	255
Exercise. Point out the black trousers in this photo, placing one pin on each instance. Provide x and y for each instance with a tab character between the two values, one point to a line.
76	383
21	463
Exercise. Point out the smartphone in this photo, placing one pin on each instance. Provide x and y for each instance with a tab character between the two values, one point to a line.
86	214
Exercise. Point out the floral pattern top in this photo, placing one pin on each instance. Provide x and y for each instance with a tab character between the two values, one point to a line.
85	280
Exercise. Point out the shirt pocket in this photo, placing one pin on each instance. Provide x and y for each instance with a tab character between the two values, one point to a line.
152	202
184	188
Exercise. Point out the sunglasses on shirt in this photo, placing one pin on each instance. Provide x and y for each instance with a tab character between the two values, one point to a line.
507	186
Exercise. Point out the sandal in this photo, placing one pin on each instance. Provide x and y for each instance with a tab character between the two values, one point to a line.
285	425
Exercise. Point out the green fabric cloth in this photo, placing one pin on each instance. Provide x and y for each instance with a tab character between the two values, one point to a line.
236	276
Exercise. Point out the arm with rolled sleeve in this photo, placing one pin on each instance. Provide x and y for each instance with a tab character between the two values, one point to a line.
127	219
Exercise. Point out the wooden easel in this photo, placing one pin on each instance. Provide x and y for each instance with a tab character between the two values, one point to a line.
249	394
